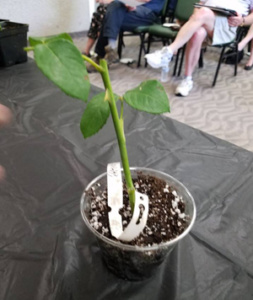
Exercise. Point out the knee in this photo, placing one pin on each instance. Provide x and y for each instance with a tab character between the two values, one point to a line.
202	14
198	37
113	9
115	5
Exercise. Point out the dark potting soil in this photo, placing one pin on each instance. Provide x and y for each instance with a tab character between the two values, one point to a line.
166	218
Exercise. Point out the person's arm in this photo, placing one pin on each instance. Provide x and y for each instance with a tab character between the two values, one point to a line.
240	20
247	20
5	118
131	8
104	1
5	115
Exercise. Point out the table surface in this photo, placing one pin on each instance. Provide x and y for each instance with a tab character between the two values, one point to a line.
46	252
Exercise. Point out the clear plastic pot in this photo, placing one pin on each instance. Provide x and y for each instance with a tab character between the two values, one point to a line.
133	262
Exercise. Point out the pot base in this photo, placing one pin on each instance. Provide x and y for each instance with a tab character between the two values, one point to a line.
129	261
133	267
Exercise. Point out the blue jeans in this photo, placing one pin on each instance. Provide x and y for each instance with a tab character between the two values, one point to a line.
119	18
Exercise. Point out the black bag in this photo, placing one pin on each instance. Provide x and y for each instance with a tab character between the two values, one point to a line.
230	60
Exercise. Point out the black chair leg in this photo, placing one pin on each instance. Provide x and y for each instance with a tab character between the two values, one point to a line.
142	48
218	67
148	48
236	61
181	61
120	44
176	62
201	62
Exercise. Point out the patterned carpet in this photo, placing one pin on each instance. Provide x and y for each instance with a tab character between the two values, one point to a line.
225	111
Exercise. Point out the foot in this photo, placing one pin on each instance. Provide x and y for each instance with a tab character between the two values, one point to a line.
86	54
158	58
184	88
111	56
90	67
249	66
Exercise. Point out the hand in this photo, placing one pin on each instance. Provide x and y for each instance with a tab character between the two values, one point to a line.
104	1
5	118
235	21
130	8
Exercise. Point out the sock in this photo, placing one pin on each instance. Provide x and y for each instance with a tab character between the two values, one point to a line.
168	51
189	78
112	43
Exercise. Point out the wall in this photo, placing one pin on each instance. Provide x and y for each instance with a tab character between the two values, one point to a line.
47	17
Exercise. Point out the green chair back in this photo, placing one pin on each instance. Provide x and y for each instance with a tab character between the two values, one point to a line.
165	10
184	9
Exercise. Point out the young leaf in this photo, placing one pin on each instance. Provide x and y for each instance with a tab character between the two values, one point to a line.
95	115
33	41
149	96
62	63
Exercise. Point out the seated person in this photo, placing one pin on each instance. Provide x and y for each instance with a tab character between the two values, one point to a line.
95	26
243	43
121	17
202	24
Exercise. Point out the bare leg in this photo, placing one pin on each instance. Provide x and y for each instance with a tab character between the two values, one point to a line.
193	50
202	17
89	44
247	38
250	60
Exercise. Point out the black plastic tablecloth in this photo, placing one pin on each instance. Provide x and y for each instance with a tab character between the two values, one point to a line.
46	252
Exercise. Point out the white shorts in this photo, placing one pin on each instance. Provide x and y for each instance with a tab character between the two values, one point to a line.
223	33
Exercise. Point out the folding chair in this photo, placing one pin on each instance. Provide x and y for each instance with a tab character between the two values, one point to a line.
233	45
141	31
183	11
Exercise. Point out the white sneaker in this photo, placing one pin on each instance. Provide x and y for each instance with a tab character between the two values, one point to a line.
184	87
160	57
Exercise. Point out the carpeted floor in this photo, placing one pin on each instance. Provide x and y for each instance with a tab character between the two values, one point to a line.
225	111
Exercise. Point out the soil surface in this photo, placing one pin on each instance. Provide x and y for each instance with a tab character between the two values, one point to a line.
166	219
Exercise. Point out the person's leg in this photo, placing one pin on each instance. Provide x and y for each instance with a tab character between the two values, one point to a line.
192	54
193	49
248	37
249	63
95	27
202	17
89	44
114	17
141	16
119	18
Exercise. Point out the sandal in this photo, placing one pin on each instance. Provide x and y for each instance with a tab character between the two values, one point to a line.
248	68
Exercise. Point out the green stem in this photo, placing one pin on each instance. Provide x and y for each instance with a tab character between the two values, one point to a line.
121	114
119	132
29	49
89	60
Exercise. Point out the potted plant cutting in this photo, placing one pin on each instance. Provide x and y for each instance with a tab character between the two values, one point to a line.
170	212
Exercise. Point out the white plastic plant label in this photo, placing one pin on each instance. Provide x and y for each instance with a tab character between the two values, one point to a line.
115	198
115	202
139	219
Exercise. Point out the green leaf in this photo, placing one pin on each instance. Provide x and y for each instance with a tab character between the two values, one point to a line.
62	63
149	96
33	41
95	115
